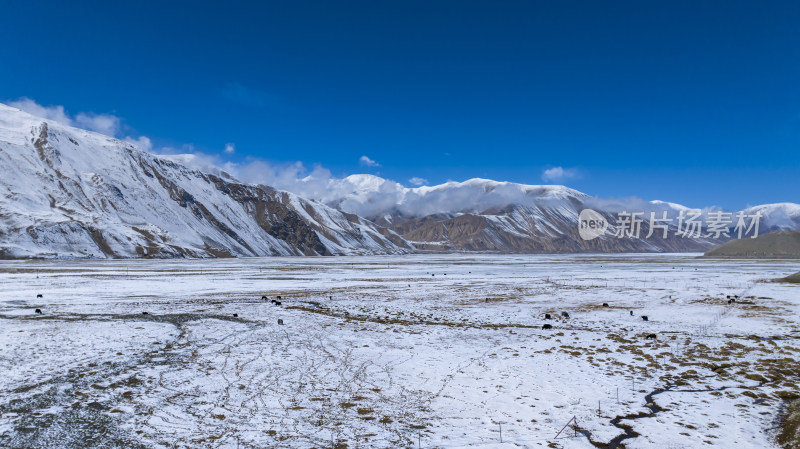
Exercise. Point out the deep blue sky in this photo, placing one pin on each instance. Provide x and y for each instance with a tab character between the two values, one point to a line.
692	102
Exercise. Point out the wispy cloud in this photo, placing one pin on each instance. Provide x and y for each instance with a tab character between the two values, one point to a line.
113	126
107	124
55	113
559	174
416	181
142	142
367	162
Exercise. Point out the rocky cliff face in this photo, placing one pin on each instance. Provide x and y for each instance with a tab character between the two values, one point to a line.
66	192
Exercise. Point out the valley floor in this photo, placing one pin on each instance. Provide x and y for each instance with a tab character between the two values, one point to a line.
438	351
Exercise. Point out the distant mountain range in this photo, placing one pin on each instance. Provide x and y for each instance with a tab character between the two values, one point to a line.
486	215
66	192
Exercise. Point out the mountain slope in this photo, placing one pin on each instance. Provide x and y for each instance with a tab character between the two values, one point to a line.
65	192
486	215
775	245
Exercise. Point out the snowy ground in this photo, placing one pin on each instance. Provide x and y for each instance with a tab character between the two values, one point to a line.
385	352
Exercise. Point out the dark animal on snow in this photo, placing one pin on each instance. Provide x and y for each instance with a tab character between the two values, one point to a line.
565	314
731	301
547	316
145	313
651	336
631	312
547	326
280	321
39	311
264	298
605	304
235	315
39	296
279	297
277	303
644	317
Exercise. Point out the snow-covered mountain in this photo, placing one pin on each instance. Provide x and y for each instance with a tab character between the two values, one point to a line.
486	215
66	192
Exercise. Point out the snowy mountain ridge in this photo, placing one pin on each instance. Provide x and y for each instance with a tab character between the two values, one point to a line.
67	192
485	215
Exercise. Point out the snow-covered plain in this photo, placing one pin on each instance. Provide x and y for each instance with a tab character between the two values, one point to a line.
443	351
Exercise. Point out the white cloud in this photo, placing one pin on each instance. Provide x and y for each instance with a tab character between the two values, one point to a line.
416	181
111	125
107	124
54	113
364	160
142	142
557	174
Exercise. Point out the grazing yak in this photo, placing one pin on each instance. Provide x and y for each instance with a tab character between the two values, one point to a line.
547	326
39	311
40	295
651	336
605	304
565	314
547	316
280	321
644	318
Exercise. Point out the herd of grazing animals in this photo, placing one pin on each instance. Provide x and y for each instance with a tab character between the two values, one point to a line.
547	316
731	299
